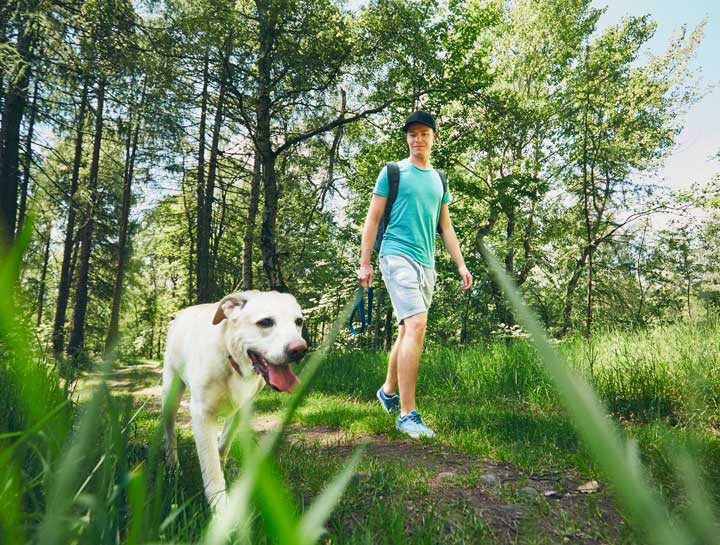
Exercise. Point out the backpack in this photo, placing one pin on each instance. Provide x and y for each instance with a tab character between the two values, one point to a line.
393	174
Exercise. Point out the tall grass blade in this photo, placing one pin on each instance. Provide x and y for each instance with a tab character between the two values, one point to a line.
702	509
11	530
53	528
312	522
278	509
620	463
12	335
137	492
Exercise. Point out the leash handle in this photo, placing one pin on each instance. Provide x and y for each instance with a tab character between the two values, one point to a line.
370	306
359	308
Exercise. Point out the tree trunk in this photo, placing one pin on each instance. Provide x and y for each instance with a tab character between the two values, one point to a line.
75	252
586	210
510	249
588	310
191	242
3	42
219	285
641	303
190	247
58	335
271	260
527	248
43	276
28	161
77	337
131	151
480	235
202	239
12	115
249	237
210	194
268	244
504	313
570	290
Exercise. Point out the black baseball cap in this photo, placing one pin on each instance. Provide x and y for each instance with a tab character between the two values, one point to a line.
421	117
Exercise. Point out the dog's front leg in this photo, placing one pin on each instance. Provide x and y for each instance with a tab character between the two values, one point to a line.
204	424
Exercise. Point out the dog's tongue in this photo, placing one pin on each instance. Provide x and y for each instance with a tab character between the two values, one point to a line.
282	377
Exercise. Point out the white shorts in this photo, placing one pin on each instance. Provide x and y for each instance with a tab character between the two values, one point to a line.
409	284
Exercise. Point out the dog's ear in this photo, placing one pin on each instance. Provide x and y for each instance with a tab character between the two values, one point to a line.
227	304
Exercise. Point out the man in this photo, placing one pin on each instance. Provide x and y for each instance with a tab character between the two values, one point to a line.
407	262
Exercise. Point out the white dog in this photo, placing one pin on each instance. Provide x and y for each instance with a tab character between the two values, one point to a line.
210	348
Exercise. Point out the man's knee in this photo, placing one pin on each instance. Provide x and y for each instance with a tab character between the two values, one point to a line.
415	325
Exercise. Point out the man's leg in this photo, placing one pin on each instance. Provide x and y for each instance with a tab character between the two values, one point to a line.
391	379
409	348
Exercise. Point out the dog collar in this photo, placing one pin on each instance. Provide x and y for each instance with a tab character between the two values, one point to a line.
234	364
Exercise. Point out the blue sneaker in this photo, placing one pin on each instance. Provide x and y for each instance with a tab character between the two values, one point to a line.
413	425
389	403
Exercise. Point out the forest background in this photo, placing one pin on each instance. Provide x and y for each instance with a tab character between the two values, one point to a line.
172	152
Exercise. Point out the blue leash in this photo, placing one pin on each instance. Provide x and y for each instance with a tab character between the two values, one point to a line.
359	308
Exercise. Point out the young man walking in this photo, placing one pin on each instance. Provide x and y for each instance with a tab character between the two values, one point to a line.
407	262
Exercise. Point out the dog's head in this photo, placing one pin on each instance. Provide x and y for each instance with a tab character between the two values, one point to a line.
262	332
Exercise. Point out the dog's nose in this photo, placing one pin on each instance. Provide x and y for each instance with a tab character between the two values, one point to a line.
296	349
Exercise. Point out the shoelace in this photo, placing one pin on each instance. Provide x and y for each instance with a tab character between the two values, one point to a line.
415	417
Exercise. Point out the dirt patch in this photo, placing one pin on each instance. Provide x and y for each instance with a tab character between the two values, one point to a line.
509	501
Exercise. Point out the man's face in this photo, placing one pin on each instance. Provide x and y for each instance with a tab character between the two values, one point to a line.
420	139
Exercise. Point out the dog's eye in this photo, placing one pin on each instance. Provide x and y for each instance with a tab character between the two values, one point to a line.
299	322
266	322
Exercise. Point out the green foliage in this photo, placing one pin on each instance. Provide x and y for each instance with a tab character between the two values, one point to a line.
515	89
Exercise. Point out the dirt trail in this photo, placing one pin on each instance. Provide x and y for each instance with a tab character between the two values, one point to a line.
512	504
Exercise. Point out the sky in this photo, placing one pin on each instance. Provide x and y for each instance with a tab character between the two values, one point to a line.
692	159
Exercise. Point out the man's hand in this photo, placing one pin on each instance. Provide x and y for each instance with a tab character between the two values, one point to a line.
365	276
467	278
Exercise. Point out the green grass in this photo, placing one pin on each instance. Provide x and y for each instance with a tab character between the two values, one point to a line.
92	472
497	401
487	402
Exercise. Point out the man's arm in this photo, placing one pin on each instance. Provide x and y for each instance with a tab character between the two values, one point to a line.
375	212
451	243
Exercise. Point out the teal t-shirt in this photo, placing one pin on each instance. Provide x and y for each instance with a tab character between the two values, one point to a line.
415	214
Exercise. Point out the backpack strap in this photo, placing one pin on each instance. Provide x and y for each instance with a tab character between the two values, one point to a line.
393	176
443	179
